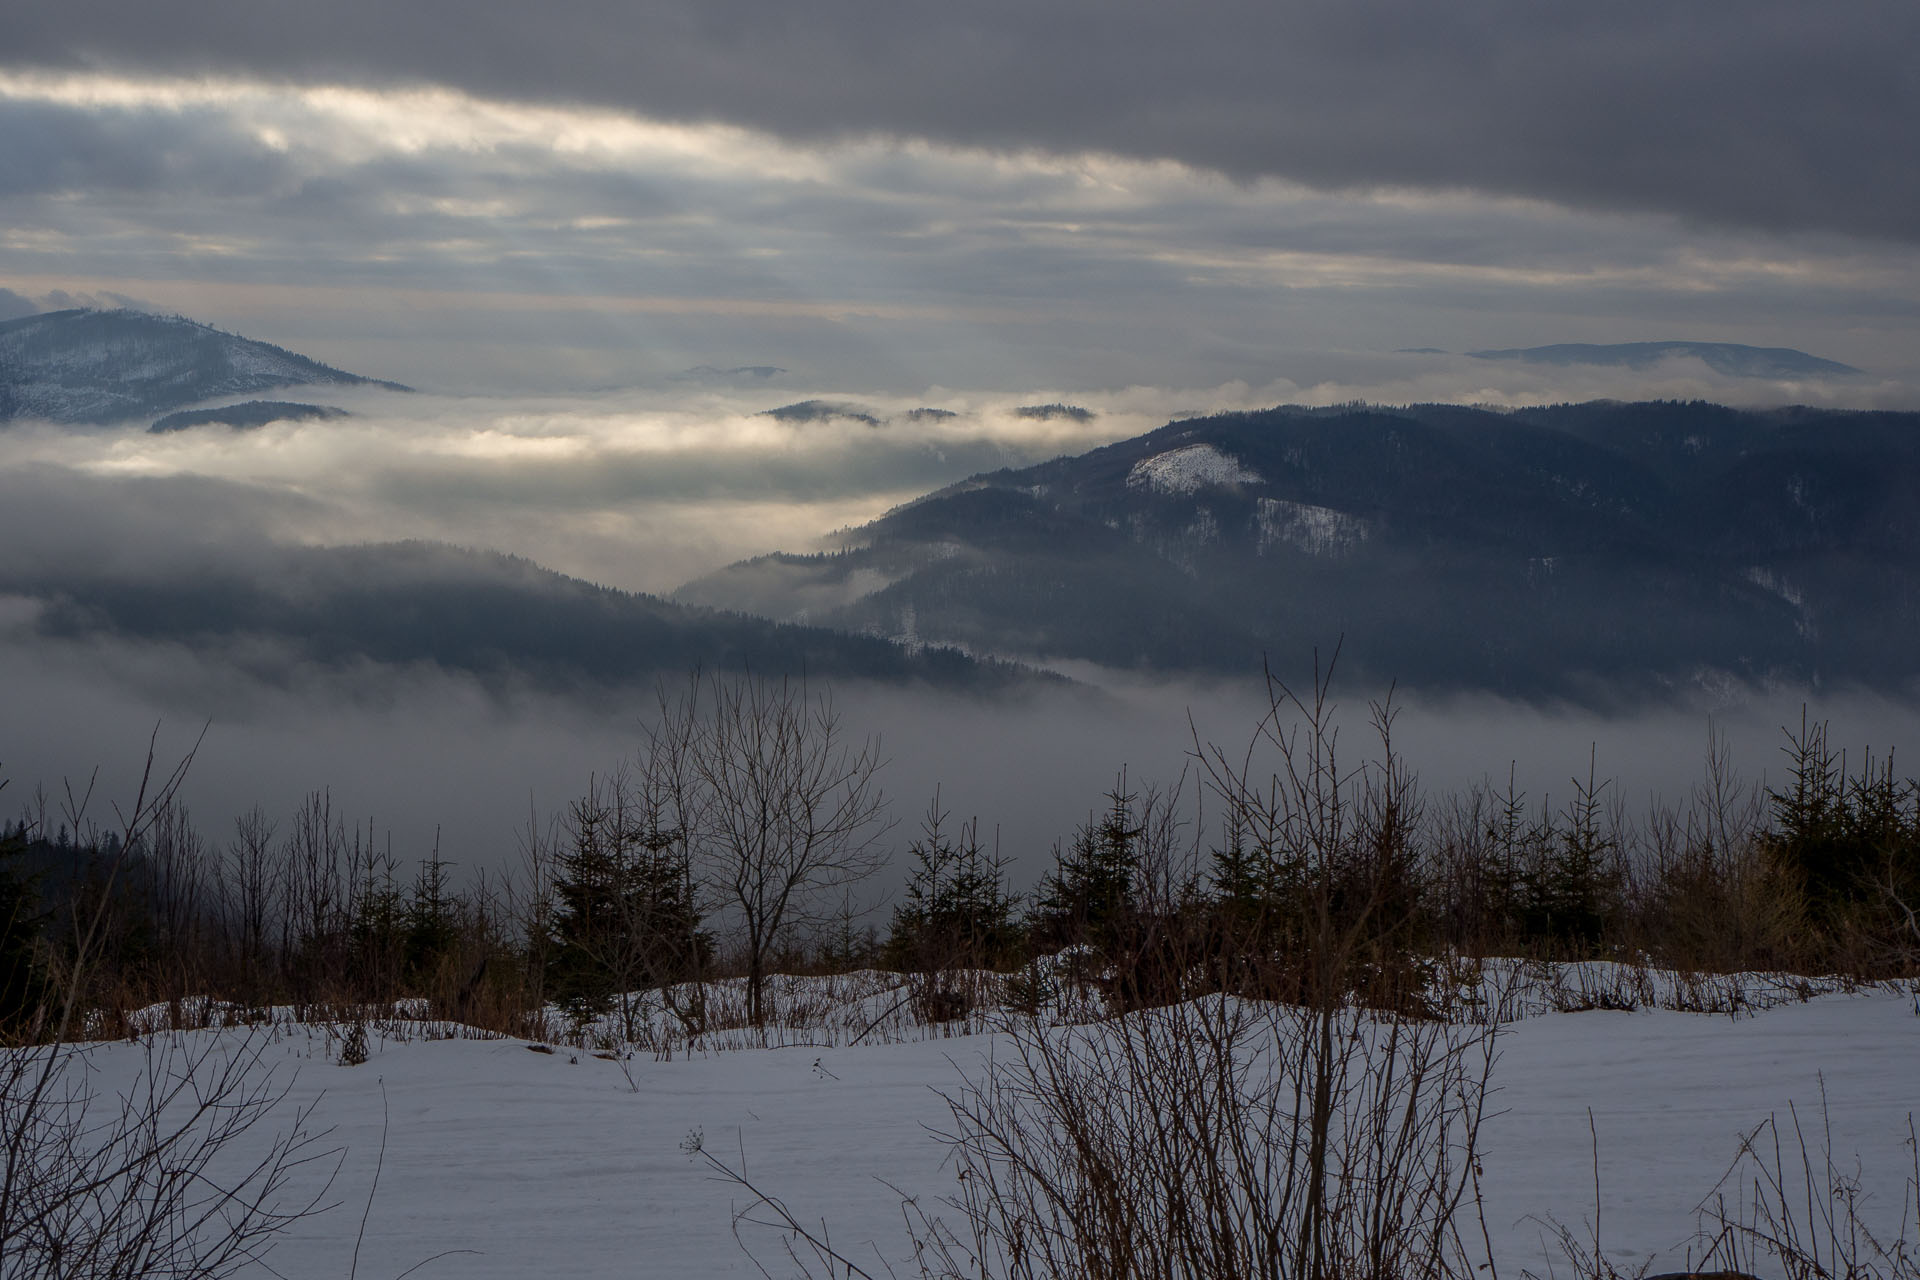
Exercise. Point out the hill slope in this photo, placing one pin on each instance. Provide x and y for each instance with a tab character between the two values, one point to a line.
1577	551
1729	358
111	366
484	614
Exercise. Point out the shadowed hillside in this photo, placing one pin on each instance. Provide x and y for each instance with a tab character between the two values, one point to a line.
1590	551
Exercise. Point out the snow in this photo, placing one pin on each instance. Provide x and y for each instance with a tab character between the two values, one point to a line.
1188	469
571	1164
103	367
1778	584
1319	531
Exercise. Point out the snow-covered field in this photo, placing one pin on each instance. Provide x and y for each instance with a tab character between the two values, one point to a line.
569	1164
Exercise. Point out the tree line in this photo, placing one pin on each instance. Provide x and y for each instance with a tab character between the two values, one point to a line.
739	839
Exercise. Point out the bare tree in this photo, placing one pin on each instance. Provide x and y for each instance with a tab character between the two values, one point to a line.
249	880
173	1177
788	806
176	1179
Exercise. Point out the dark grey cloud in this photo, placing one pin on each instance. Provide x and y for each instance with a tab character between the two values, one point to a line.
480	240
55	149
1773	113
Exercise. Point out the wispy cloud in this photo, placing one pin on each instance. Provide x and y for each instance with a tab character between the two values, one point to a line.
1767	114
441	237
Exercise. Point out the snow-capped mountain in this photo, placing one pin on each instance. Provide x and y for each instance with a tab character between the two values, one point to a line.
110	366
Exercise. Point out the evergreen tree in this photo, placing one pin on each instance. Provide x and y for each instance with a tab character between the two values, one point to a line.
1258	890
625	913
432	930
1851	843
1089	895
1573	884
378	921
23	981
956	911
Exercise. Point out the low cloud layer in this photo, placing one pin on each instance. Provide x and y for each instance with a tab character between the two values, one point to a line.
603	487
425	756
645	489
637	490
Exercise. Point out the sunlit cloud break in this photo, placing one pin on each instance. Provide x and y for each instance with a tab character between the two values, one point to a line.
443	238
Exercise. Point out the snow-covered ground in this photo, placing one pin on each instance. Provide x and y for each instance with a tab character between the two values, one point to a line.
569	1164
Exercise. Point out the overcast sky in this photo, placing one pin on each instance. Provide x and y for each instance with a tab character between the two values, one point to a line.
544	215
479	195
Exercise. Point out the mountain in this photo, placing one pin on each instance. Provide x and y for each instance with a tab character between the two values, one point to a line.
497	617
245	416
1728	358
1585	551
110	366
820	411
746	373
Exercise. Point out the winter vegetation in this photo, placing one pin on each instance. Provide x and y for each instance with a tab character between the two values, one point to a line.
1254	1021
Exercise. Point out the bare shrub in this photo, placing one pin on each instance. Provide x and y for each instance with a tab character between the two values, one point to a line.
176	1175
1717	898
1786	1206
173	1178
1219	1138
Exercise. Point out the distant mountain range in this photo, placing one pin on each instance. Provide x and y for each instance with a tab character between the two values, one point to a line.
1728	358
820	411
1588	551
493	616
1592	551
111	366
745	373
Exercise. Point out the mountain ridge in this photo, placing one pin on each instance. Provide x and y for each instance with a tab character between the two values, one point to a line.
1732	359
1536	552
90	367
485	614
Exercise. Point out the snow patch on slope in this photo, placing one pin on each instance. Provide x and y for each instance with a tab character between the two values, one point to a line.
1188	469
1780	585
1318	531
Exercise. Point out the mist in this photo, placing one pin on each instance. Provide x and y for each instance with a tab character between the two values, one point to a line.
422	756
646	488
643	489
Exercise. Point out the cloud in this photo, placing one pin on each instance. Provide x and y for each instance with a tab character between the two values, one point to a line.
439	238
104	300
601	480
14	305
648	488
1771	114
642	490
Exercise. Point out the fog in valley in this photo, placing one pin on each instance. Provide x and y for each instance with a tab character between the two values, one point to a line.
421	755
644	490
